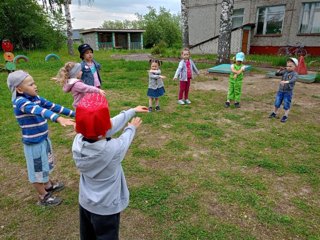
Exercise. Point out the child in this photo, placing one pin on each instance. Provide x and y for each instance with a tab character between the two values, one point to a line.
103	191
89	67
235	81
32	112
285	92
185	72
156	87
70	76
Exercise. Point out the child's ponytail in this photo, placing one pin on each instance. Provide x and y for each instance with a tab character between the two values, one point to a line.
159	62
64	73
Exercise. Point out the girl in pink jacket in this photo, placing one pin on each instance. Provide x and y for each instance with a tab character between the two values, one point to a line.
70	77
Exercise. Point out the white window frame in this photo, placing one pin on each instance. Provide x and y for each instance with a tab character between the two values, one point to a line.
311	21
264	30
237	16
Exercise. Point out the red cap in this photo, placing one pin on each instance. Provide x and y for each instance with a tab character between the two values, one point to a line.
92	116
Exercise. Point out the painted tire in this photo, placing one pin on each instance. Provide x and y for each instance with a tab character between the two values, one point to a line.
8	56
51	55
19	57
10	66
7	45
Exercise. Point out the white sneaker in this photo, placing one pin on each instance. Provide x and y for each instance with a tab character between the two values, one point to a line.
187	101
181	102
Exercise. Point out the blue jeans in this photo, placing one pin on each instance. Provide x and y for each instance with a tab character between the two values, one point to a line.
99	227
284	97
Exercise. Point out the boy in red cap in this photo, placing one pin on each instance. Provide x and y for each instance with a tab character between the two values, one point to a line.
103	191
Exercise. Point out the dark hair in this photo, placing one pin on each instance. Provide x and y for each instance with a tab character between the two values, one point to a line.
155	61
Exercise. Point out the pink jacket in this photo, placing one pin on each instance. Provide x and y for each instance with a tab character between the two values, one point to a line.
78	89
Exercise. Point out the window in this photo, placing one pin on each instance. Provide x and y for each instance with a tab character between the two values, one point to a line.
237	17
270	20
310	20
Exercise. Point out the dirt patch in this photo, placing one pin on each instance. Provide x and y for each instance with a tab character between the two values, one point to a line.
133	57
255	85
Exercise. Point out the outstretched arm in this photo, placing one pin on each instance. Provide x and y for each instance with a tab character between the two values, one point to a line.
119	121
44	103
127	136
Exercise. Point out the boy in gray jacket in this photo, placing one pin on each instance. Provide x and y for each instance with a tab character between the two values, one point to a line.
103	191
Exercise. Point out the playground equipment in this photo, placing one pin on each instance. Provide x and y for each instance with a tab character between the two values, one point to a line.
51	56
20	57
8	56
7	47
225	68
302	68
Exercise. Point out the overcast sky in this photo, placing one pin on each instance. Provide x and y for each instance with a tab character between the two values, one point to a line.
93	16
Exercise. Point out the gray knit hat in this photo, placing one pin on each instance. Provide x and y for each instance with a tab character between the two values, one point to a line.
14	80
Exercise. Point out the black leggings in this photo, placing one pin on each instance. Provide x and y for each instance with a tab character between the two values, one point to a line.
100	227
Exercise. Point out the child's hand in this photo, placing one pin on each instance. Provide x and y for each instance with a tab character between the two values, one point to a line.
135	122
141	109
235	75
66	121
175	78
102	92
163	77
283	82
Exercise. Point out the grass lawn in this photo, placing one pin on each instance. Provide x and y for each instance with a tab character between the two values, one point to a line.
194	172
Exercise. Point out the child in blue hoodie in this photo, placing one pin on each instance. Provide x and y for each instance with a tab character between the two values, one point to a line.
103	192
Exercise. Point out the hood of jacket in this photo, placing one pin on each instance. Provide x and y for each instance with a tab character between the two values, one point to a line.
69	84
92	159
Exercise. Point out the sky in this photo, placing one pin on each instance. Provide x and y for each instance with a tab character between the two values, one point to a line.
93	16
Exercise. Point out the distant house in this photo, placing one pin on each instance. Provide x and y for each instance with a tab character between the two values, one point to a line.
259	26
120	39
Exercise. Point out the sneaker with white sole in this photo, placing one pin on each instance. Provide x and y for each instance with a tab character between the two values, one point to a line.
181	102
187	101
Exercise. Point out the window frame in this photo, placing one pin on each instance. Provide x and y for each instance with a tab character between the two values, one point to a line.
301	19
265	22
238	16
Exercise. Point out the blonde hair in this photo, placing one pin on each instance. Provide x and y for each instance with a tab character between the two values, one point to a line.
64	73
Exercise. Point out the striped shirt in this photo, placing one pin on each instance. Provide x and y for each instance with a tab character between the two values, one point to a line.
32	114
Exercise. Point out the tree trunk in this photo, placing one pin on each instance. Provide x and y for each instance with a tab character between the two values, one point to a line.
69	26
185	27
224	42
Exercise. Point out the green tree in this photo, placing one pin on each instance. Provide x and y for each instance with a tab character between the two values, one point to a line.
160	27
125	24
28	26
55	7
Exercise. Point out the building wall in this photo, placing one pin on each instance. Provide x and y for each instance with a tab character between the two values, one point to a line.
204	23
211	47
91	39
290	35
